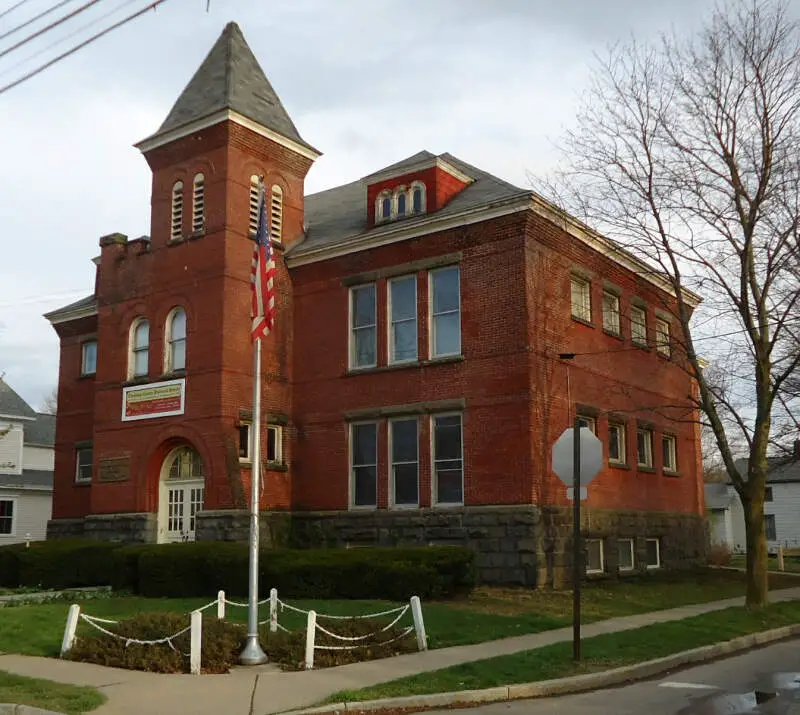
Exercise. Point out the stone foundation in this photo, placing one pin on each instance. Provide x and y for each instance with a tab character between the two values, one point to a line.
515	545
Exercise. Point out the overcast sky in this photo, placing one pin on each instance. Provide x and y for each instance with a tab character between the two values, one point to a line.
367	82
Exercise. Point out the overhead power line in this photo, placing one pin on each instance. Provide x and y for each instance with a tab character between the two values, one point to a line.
83	44
33	19
12	8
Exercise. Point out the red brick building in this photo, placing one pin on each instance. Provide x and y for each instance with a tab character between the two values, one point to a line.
412	388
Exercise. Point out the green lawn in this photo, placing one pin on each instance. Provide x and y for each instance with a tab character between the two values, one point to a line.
791	564
599	653
48	695
487	614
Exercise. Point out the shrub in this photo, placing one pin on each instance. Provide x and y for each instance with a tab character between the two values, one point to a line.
9	566
719	555
66	564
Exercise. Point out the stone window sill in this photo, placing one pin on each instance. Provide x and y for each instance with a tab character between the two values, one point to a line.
142	380
445	360
194	235
581	321
87	376
174	375
612	334
646	470
618	465
276	467
83	483
670	473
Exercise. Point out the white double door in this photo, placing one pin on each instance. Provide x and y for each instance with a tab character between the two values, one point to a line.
182	501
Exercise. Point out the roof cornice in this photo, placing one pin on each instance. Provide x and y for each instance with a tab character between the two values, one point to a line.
160	139
60	315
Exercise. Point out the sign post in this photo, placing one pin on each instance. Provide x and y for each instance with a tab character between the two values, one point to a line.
577	458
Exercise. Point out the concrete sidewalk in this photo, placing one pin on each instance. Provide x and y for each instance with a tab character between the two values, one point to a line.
266	689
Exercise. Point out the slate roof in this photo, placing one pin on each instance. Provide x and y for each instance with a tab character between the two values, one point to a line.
231	78
340	214
90	301
30	478
12	404
42	432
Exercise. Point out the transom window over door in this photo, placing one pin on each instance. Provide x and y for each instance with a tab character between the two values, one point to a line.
448	460
363	321
446	312
403	319
405	462
364	464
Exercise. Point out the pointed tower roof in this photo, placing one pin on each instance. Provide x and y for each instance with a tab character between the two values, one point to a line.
229	78
12	405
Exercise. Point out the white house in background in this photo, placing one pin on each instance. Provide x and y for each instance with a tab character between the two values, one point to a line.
26	469
781	506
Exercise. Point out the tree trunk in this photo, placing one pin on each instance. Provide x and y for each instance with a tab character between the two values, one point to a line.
755	536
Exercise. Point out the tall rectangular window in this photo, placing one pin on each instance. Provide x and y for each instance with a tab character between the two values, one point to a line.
274	452
595	556
581	298
638	325
611	312
448	459
244	442
644	447
89	358
769	527
364	464
653	553
446	311
669	453
363	322
403	319
84	457
589	422
7	517
405	462
616	443
662	337
625	556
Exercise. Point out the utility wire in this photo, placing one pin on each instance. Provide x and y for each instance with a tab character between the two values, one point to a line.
33	19
49	27
12	8
83	44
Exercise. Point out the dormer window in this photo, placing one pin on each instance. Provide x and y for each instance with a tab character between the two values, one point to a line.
401	203
383	207
418	197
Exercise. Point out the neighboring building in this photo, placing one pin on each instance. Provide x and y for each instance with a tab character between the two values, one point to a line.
411	388
781	506
26	469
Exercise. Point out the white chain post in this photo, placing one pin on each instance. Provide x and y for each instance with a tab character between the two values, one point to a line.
69	631
196	642
419	624
273	610
311	632
220	604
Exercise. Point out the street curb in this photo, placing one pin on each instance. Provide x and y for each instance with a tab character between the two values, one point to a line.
12	709
561	686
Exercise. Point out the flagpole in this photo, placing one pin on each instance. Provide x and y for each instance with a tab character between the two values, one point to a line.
252	654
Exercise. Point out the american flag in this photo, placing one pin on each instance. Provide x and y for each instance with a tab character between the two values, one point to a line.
262	277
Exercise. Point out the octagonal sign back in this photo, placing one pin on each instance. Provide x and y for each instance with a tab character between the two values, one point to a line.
591	456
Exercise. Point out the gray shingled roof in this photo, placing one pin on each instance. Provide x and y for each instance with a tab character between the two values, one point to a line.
41	432
12	404
231	78
780	469
30	478
87	302
340	214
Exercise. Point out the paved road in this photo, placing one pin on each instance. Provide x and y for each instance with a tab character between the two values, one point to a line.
667	695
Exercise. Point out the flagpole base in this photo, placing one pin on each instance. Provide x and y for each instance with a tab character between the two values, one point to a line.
252	653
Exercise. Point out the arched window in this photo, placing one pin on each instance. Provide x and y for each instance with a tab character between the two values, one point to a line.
401	201
254	199
383	206
177	211
198	203
276	213
418	197
186	464
176	340
139	348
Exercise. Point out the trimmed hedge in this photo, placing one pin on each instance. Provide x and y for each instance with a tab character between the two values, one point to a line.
202	568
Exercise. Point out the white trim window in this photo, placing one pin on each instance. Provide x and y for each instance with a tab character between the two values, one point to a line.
254	201
363	326
669	453
274	451
595	556
653	553
418	198
364	464
176	216
638	325
448	459
403	319
400	202
626	559
139	348
89	357
617	453
644	447
84	460
198	203
611	312
404	460
445	289
276	213
383	206
581	298
662	337
587	421
243	431
176	340
8	517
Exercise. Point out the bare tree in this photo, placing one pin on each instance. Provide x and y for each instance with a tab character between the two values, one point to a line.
686	152
50	402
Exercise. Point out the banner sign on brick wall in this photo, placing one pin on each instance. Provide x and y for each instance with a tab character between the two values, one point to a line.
160	399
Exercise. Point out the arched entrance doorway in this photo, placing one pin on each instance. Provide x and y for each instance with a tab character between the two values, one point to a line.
181	494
